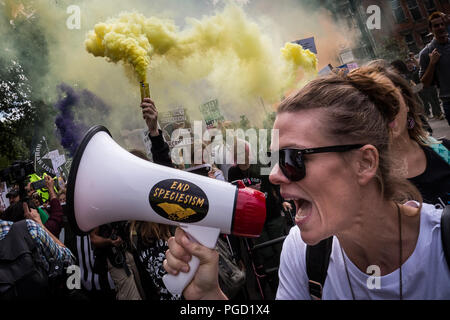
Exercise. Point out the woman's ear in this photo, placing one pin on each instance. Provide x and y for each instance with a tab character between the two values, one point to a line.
367	164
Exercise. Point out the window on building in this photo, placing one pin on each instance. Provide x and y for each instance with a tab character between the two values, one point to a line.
397	9
414	9
412	46
430	5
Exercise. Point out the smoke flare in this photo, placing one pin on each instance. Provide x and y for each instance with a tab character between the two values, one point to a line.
226	47
75	116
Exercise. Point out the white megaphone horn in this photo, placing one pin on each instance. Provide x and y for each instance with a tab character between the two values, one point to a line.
108	184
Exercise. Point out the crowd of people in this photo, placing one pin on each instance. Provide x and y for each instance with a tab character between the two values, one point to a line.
360	183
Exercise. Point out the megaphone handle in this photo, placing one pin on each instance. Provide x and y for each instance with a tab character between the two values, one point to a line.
204	235
176	284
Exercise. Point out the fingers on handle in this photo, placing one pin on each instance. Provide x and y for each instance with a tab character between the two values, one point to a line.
173	265
194	248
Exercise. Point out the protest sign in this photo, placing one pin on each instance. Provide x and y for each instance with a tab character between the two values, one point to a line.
344	67
326	70
307	44
56	159
171	123
347	56
211	113
50	161
352	66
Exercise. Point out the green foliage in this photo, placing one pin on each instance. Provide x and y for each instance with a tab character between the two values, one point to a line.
25	115
392	49
12	147
32	51
15	90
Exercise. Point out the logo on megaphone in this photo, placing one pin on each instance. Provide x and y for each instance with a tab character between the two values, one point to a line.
179	200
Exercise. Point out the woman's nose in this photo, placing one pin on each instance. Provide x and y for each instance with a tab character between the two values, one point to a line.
277	177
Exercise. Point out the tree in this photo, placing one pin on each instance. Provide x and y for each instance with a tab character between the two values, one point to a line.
13	146
24	114
392	49
15	106
15	91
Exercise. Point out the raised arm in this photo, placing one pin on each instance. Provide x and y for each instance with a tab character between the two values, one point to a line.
160	149
51	247
429	65
54	222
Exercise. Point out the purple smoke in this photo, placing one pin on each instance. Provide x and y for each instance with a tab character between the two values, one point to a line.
87	107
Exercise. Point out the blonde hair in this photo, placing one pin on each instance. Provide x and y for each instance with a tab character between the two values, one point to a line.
149	231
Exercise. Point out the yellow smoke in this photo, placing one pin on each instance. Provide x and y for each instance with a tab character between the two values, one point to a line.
227	50
300	58
123	40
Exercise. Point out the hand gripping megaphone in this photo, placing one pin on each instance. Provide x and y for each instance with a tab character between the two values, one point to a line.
108	184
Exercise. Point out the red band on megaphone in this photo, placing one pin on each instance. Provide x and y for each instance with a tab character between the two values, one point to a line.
250	213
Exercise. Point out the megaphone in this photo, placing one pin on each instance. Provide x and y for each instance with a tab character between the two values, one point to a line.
108	184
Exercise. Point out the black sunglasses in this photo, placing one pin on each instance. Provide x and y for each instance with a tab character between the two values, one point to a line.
291	160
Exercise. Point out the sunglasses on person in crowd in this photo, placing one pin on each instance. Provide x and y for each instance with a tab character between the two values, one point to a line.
292	164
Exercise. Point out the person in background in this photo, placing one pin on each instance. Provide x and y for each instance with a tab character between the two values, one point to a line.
55	217
401	69
32	282
429	95
51	218
205	165
112	254
36	201
149	243
435	60
62	196
418	156
243	168
13	196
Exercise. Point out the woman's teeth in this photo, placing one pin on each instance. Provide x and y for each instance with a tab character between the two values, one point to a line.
303	208
303	211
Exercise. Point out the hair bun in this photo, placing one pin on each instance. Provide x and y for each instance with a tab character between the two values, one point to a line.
378	88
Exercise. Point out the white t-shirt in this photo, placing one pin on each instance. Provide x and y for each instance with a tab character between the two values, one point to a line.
425	273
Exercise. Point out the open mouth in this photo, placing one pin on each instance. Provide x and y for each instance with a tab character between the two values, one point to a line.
303	209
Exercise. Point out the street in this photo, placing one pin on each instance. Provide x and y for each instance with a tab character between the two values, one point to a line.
441	129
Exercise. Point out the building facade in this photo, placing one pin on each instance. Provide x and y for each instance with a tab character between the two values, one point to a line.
404	25
411	20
